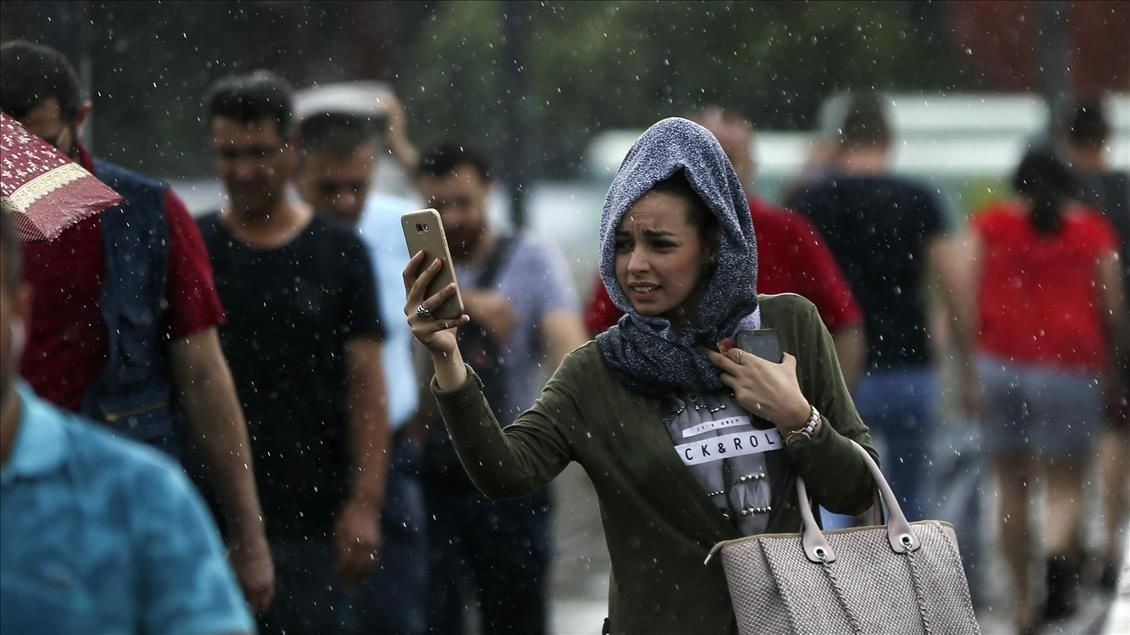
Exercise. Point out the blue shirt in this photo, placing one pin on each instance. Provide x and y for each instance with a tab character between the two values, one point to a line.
380	230
102	535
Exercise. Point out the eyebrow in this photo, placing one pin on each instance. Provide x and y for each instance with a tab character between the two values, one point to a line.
652	233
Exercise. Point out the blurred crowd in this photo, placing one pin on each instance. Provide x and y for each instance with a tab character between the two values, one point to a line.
262	349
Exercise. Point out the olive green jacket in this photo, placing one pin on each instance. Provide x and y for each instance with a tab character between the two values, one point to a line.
658	522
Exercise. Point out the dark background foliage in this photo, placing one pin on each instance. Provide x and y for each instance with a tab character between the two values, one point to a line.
552	74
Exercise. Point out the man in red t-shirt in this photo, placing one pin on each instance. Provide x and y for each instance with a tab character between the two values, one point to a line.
68	344
792	257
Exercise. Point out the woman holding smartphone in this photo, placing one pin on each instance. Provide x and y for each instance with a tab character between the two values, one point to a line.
687	439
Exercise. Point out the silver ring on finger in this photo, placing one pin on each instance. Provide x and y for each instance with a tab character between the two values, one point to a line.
740	353
423	313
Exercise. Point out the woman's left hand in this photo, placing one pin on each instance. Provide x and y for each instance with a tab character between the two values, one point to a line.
768	390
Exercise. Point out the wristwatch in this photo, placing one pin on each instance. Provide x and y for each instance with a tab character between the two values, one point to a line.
804	433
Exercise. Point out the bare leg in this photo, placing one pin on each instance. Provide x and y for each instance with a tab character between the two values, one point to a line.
1014	478
1061	536
1114	465
1065	503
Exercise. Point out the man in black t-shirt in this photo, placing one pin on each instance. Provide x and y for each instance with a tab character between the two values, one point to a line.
886	232
303	339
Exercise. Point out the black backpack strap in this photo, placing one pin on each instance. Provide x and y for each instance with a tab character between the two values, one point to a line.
494	262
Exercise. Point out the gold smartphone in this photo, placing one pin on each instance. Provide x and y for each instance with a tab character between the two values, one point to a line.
423	231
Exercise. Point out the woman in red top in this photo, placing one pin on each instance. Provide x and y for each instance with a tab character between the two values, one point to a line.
1050	304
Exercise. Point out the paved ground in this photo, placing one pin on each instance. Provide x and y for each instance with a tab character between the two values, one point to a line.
580	576
1118	620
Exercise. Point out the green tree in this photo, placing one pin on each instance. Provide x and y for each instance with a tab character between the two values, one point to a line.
595	65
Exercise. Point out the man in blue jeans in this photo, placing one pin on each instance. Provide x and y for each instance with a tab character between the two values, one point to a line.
97	534
887	232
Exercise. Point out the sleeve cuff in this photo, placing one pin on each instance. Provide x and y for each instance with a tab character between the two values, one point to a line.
464	396
804	453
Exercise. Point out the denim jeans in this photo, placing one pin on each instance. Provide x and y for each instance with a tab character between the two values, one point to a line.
959	468
502	548
1039	409
900	408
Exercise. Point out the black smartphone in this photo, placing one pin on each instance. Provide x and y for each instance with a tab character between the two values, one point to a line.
762	342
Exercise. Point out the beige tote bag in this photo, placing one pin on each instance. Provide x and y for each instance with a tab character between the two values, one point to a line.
895	578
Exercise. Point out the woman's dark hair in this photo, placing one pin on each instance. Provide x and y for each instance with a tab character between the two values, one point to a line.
1047	182
699	213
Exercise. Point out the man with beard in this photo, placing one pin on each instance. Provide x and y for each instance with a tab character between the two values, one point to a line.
304	340
126	333
522	306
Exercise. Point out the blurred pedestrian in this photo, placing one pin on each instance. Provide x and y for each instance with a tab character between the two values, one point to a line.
97	534
127	315
792	257
1108	191
886	232
303	336
1051	311
664	427
522	308
336	168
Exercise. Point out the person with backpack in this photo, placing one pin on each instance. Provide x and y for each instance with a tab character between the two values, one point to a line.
523	308
688	440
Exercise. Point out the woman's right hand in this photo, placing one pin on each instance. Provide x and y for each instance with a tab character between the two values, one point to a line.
437	334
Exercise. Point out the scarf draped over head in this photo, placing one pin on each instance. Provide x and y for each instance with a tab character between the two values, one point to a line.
650	354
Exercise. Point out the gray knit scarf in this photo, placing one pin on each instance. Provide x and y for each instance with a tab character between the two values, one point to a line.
650	354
